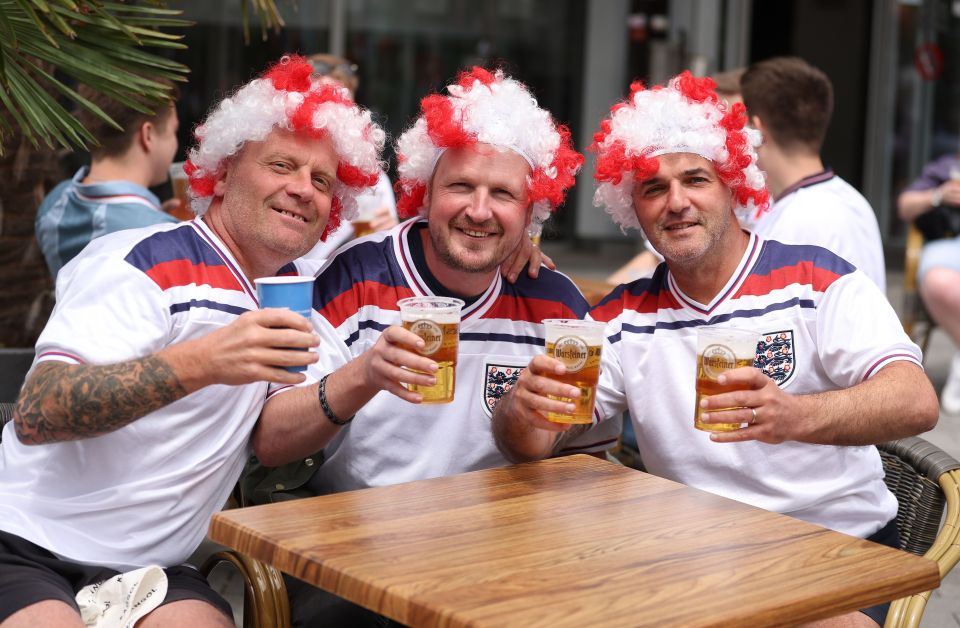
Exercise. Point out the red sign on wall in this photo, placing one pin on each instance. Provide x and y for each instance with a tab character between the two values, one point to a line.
928	60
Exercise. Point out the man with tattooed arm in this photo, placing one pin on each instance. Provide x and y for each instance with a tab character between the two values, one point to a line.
134	422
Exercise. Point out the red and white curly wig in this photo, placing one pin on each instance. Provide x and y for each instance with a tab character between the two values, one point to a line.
288	97
490	108
685	116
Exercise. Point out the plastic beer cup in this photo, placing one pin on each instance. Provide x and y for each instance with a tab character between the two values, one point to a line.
437	321
179	182
720	350
577	344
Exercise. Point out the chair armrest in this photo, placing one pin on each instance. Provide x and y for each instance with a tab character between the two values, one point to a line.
265	601
939	469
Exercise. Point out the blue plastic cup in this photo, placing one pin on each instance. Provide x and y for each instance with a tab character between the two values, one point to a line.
292	292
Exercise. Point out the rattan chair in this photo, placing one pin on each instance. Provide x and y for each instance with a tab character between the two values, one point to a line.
916	321
925	479
265	602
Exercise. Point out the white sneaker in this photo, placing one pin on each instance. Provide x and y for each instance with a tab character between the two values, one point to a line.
950	396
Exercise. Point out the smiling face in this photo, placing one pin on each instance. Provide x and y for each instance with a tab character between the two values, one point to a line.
477	210
685	210
272	201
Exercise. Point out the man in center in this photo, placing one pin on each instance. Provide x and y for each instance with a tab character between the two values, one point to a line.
480	166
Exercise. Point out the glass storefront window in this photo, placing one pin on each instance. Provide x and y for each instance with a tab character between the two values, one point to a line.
927	114
403	49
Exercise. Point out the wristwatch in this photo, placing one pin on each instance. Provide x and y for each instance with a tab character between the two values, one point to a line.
936	198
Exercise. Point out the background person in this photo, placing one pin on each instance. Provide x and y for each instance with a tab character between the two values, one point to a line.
478	166
378	207
111	193
790	102
834	371
937	191
134	422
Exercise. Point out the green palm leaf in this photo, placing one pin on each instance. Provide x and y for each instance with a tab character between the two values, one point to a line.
48	45
101	44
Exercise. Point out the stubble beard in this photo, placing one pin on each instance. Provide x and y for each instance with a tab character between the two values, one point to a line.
446	255
684	256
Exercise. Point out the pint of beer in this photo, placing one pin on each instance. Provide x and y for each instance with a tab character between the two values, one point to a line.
577	344
179	182
720	350
362	221
437	321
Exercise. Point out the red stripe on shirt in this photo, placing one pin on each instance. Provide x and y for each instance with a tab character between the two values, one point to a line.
183	272
643	303
803	273
346	304
528	309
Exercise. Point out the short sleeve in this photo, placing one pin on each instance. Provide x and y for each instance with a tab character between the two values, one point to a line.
858	331
107	311
933	174
611	398
333	354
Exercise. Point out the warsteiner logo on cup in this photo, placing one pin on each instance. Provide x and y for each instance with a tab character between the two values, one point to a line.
577	345
437	321
430	333
720	350
716	359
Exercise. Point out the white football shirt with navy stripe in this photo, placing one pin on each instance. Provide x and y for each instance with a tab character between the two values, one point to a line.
392	441
822	325
142	494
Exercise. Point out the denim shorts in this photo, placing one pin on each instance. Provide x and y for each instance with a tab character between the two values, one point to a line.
940	253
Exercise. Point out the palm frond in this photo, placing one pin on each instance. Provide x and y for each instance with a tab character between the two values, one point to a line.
102	44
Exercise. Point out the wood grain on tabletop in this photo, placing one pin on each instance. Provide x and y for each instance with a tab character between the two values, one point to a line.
569	542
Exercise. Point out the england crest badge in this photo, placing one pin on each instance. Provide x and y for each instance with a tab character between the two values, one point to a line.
776	356
499	379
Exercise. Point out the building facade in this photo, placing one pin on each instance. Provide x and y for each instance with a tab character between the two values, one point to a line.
893	63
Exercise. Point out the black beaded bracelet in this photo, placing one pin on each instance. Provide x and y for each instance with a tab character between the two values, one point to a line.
322	393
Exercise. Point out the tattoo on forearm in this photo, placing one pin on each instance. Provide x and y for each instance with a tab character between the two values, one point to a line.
68	402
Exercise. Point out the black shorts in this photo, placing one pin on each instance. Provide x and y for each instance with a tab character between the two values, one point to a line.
888	535
30	574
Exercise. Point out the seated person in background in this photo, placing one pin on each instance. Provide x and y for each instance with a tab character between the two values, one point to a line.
134	423
478	166
936	193
790	102
111	193
644	263
377	209
845	374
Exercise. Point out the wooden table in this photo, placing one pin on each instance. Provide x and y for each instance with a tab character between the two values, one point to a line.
572	541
